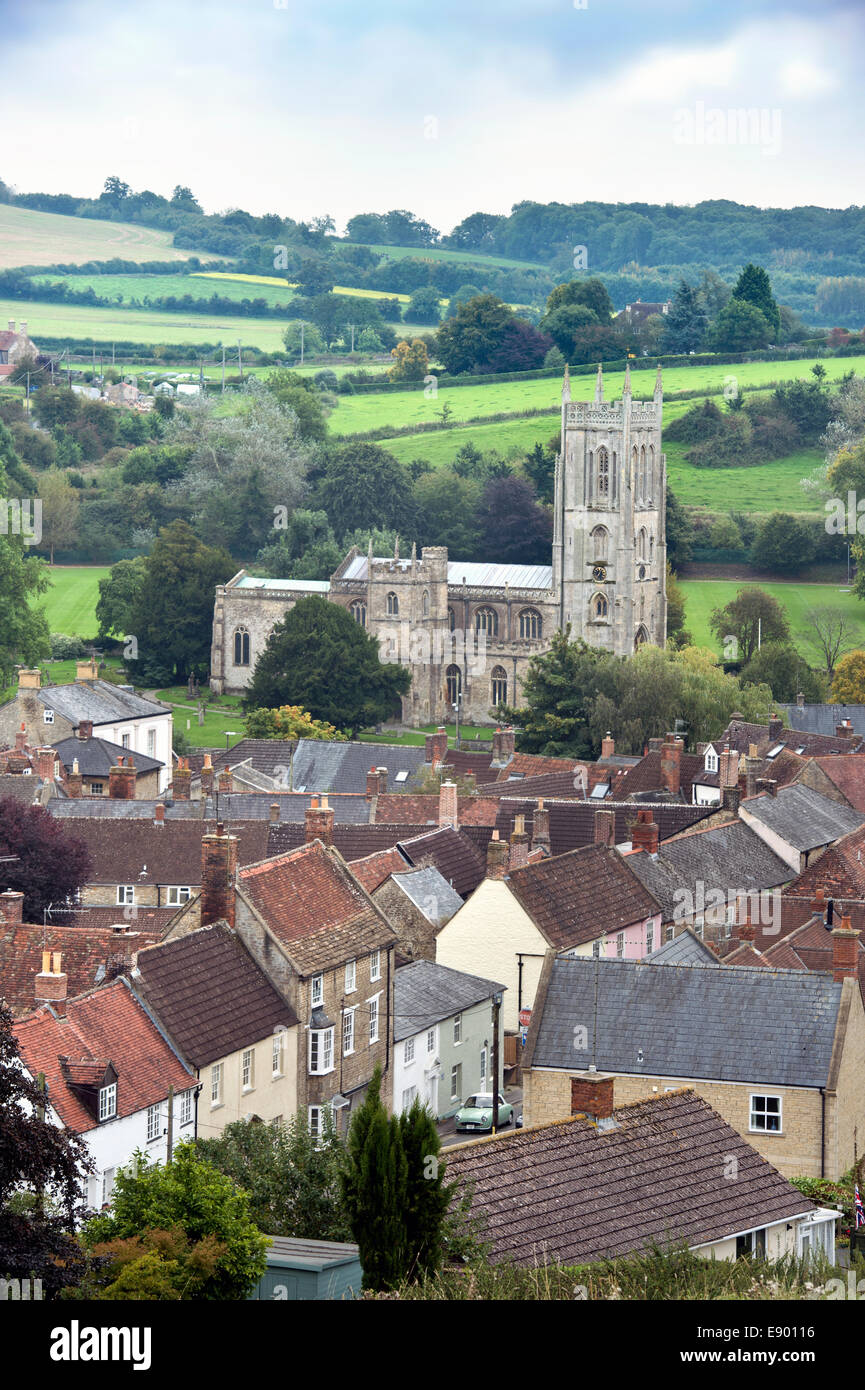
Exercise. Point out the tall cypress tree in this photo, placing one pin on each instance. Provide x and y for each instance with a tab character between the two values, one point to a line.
374	1191
755	287
427	1194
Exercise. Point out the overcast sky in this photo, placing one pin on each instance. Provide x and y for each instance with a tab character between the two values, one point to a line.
446	108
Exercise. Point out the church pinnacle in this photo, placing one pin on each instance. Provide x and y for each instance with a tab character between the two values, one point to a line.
626	389
659	385
599	385
566	384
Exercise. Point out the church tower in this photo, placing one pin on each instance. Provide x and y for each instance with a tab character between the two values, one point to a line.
609	545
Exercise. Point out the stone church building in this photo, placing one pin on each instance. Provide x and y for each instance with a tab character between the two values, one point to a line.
468	629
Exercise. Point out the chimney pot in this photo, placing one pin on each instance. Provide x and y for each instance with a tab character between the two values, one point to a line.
645	834
608	746
218	870
274	811
503	746
181	781
121	781
592	1095
541	829
497	857
448	813
845	951
436	746
605	827
159	813
12	907
318	821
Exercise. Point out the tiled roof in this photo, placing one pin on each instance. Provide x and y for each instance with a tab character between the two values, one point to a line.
745	954
171	853
573	1193
535	765
802	817
209	994
572	823
646	775
775	1027
425	993
577	897
684	949
348	809
840	870
480	765
267	755
352	841
552	785
96	756
848	774
740	735
110	1024
24	789
375	868
102	808
314	907
90	956
452	853
722	858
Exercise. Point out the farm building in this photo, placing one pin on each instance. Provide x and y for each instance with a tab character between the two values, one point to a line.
14	347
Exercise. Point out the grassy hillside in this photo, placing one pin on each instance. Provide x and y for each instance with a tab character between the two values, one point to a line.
70	603
702	596
468	258
71	322
46	238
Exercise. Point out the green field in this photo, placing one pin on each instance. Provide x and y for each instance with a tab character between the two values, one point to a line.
702	596
467	258
129	287
400	408
70	603
45	238
70	322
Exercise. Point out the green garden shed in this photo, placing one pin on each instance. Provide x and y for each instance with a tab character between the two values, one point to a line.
309	1269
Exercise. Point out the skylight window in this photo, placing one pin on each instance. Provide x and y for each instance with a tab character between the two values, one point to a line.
402	776
599	791
801	750
773	752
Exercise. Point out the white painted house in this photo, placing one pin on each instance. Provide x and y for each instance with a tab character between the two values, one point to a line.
107	1070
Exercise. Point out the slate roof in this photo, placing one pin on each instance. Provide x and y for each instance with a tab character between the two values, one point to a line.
347	809
577	897
27	790
342	767
90	956
100	702
315	908
425	993
574	1193
209	994
452	853
103	808
740	734
802	817
822	719
430	893
684	949
722	858
646	775
267	755
774	1027
108	1024
171	853
96	756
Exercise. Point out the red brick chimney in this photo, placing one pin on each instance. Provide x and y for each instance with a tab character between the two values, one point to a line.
605	827
51	982
503	746
159	814
21	739
319	821
448	804
608	746
844	729
671	764
226	782
11	908
752	767
376	780
818	903
84	729
541	829
645	834
519	844
274	812
207	776
74	780
436	746
181	781
121	780
845	951
218	871
497	857
776	727
592	1095
46	764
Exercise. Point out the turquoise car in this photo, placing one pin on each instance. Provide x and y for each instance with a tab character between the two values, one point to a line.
477	1113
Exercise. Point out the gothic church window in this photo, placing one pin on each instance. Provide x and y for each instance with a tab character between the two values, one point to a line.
603	475
358	612
452	619
499	685
599	608
487	620
600	537
425	604
453	683
392	605
241	647
531	624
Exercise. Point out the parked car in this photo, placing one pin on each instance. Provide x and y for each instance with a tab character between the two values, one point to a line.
477	1112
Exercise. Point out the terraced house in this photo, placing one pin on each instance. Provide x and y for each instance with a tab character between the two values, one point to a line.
469	630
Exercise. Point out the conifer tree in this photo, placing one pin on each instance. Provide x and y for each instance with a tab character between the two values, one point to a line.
427	1194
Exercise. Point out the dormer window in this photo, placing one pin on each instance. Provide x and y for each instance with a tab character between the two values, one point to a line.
711	760
108	1101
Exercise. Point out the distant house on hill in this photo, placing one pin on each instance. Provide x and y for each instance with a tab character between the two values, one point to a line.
635	315
14	347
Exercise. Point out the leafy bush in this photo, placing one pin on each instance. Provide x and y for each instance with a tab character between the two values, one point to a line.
65	648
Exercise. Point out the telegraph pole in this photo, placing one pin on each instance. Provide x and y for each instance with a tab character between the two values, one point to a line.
497	1001
223	369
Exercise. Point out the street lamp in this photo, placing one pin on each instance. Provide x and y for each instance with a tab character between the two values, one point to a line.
229	733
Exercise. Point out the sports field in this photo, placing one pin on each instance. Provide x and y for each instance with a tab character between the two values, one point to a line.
703	596
45	238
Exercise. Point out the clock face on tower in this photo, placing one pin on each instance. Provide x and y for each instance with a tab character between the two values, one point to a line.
599	574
